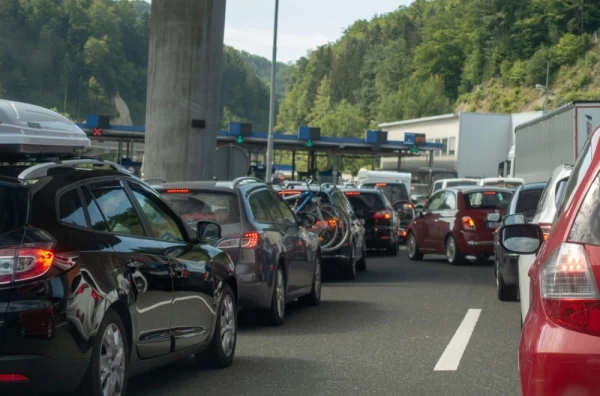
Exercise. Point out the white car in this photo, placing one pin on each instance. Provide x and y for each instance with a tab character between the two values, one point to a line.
544	217
444	183
504	182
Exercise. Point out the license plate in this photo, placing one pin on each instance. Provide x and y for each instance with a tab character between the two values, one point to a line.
492	224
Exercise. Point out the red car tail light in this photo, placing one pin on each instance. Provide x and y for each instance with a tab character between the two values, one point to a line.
468	223
383	214
250	240
13	377
569	291
17	265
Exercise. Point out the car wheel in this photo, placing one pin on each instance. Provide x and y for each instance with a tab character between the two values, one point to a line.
361	265
221	351
107	372
412	250
453	253
314	298
274	316
505	292
349	269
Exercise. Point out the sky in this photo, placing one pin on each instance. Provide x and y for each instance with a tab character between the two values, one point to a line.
303	24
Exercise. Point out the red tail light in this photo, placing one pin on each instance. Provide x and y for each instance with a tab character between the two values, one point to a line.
250	240
468	223
569	290
383	214
178	191
17	265
13	378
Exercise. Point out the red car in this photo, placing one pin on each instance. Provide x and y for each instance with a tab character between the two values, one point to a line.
559	352
454	223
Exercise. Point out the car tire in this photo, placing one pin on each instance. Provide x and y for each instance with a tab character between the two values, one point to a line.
314	298
111	347
221	351
393	249
505	292
275	315
453	253
361	265
412	249
349	269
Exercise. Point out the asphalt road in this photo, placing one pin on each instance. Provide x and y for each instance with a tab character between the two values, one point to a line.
381	334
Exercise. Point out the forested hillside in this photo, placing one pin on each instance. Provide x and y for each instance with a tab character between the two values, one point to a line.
437	55
77	55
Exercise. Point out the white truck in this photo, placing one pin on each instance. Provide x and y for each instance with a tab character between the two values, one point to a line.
551	140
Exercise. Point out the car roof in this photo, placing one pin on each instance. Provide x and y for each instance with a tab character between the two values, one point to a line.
362	190
533	186
470	189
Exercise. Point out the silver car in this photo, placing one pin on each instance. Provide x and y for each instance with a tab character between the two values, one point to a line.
550	200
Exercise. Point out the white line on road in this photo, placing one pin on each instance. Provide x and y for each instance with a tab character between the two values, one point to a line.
454	351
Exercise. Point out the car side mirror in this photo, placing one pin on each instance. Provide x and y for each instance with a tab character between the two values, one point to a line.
514	219
208	231
307	219
521	238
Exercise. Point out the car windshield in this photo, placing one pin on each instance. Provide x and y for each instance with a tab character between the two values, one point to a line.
221	208
487	199
393	192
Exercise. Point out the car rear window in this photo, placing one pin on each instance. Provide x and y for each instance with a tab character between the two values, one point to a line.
14	200
528	201
586	228
487	199
393	192
365	203
503	184
219	207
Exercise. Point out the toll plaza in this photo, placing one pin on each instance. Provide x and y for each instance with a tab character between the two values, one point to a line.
126	144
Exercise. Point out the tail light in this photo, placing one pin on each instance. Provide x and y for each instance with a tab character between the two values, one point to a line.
383	214
13	378
546	228
17	265
569	293
468	223
250	240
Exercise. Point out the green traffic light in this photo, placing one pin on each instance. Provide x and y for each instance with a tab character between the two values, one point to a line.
309	143
240	139
414	149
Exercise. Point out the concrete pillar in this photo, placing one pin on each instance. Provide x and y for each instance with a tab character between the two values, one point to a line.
184	85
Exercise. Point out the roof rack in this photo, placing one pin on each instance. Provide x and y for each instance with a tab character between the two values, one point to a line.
240	180
41	170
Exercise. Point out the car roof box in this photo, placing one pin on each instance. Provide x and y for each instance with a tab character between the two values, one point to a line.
27	130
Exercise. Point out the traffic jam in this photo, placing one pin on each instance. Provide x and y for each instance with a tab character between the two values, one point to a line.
105	276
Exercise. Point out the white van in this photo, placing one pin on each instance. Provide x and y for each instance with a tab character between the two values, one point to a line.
502	182
370	177
440	184
27	130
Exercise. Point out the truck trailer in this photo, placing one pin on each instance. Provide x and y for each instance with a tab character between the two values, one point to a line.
551	140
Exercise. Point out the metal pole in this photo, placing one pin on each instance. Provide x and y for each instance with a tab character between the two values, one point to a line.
547	78
272	102
293	165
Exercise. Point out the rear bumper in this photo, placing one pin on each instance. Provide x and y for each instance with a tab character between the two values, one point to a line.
472	243
382	237
554	361
46	376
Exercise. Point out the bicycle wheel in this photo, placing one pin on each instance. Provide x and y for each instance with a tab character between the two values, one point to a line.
335	229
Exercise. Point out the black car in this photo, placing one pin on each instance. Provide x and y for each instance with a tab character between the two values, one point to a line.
397	194
524	202
352	256
382	223
276	259
100	280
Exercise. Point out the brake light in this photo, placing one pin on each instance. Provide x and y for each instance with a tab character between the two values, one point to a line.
352	193
489	193
250	240
568	288
383	214
178	191
468	223
13	378
17	265
380	184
